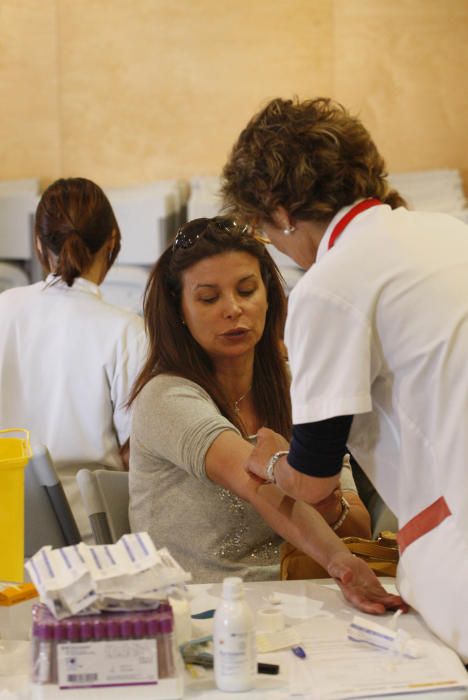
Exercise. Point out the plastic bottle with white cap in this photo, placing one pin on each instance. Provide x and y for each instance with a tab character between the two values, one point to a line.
234	639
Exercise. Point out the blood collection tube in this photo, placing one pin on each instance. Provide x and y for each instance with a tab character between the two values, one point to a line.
60	635
73	630
99	630
153	633
41	671
140	628
165	646
126	628
86	630
113	629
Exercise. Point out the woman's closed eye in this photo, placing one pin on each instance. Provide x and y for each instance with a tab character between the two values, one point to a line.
247	292
212	298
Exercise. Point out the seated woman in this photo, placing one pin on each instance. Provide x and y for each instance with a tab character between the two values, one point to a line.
214	312
67	358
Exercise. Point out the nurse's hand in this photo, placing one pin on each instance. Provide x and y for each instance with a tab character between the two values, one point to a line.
361	587
268	442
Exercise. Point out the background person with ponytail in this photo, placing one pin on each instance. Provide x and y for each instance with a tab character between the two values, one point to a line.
67	358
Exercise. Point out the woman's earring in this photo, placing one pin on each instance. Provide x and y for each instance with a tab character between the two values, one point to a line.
288	230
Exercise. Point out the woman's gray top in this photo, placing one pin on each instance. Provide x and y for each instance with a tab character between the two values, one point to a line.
208	530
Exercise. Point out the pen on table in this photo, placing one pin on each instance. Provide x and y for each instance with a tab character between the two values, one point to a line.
299	651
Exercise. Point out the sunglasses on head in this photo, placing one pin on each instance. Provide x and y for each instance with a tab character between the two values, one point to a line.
189	233
257	232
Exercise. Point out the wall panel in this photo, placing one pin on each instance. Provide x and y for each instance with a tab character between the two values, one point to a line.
30	133
132	90
403	65
160	88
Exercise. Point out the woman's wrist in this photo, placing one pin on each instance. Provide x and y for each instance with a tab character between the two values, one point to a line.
358	522
345	507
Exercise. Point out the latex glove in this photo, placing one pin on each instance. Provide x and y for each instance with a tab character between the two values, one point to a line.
361	587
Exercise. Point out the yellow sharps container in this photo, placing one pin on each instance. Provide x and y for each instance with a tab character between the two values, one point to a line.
15	451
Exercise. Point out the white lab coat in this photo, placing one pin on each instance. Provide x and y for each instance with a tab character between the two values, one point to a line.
67	363
378	328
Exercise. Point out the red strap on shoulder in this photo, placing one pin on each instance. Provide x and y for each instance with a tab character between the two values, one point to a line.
354	211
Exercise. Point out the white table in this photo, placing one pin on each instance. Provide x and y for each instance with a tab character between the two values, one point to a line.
325	590
14	680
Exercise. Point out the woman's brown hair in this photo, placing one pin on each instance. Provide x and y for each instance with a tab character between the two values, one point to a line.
311	157
73	220
173	350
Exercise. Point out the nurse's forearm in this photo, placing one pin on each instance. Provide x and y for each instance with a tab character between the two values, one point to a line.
310	489
306	488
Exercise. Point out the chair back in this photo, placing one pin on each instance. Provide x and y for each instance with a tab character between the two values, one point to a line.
105	497
48	518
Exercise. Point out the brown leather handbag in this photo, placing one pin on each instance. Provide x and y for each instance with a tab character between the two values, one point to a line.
380	554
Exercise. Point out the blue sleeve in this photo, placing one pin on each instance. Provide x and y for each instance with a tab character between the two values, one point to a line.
317	449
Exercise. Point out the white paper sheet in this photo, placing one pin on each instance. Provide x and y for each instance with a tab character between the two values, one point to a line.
337	668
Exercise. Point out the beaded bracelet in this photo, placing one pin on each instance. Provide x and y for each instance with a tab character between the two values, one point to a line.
344	513
270	470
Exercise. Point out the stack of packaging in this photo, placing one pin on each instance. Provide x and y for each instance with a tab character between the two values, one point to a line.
104	618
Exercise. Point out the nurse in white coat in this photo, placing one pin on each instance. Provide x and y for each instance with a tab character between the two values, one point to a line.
67	358
377	335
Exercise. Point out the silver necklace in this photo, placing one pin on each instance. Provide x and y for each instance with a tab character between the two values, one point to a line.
241	398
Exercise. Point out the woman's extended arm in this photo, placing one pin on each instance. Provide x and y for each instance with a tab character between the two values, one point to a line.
297	523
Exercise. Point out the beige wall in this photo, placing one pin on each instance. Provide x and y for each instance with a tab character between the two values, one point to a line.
126	91
30	125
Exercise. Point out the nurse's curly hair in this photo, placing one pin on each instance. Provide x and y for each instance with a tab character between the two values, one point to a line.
311	157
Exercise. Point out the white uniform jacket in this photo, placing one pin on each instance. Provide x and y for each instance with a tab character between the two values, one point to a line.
67	363
378	328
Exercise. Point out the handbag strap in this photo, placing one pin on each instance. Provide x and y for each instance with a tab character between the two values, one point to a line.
371	549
